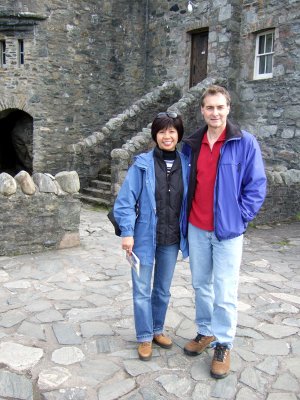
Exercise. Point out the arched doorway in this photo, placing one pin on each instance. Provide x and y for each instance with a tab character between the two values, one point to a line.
16	137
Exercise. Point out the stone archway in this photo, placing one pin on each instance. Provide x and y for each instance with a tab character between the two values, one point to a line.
16	139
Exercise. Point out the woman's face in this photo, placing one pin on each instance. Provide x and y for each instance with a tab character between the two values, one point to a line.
167	138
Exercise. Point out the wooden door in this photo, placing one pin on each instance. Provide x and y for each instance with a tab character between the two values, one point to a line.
198	57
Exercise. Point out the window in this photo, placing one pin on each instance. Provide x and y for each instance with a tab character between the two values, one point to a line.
2	53
21	52
264	50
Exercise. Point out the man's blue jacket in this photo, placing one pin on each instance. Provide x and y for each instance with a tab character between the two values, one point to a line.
138	189
240	186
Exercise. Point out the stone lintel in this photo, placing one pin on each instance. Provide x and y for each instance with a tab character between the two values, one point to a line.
19	21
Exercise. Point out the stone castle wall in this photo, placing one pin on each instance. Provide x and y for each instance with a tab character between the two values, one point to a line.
87	62
38	213
268	108
84	63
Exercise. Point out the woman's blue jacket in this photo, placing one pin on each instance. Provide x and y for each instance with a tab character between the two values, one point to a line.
135	207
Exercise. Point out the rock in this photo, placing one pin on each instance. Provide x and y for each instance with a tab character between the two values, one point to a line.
19	357
44	183
8	185
53	377
68	181
67	355
26	182
14	386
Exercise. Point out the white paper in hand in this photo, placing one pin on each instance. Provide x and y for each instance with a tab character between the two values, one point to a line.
134	261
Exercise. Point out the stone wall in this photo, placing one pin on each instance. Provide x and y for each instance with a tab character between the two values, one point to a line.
87	62
283	197
92	154
270	107
38	213
84	63
169	38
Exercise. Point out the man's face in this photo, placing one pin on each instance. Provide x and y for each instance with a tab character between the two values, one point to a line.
215	111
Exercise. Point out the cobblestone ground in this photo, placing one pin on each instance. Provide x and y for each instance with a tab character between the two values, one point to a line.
66	326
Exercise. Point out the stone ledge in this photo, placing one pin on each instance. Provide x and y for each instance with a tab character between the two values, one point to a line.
60	184
22	15
10	20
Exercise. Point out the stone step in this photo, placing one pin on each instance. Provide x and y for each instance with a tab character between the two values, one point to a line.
104	177
97	193
100	184
95	201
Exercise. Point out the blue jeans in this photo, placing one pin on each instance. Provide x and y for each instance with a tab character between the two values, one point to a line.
215	269
151	303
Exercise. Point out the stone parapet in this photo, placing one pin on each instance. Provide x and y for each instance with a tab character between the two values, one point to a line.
39	212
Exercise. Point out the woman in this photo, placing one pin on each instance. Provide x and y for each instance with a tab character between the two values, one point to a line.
150	211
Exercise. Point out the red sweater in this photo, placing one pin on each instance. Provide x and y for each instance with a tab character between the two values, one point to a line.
202	212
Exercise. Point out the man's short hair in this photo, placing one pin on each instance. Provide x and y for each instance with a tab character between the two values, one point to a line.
213	90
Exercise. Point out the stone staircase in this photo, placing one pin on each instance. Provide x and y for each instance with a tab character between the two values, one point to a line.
99	191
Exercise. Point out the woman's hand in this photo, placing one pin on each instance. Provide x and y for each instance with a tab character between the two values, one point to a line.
127	244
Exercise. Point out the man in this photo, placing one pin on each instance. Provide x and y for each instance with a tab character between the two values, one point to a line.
227	187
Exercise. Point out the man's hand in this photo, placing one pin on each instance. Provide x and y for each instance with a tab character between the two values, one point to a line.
127	244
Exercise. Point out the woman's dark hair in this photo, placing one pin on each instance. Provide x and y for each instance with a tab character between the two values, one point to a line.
165	120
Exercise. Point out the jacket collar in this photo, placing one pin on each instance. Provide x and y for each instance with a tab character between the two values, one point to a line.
232	132
143	160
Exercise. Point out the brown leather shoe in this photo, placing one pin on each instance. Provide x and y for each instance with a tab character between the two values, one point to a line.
145	351
163	341
220	365
198	345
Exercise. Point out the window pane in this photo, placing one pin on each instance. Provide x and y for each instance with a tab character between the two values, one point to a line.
21	52
261	46
269	63
269	43
262	61
3	52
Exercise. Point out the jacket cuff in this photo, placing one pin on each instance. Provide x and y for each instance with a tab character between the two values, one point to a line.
126	233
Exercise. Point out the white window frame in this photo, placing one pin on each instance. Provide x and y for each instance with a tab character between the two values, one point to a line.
259	56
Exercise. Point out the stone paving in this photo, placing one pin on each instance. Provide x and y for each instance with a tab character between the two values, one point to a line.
66	327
